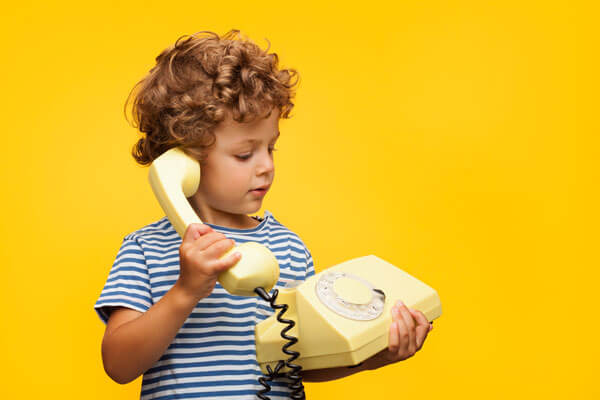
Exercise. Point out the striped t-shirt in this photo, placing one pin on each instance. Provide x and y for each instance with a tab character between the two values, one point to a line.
213	355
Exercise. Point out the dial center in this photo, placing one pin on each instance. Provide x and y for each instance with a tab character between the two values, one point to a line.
352	291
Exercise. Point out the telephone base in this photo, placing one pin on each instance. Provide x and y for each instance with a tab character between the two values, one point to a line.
331	325
334	360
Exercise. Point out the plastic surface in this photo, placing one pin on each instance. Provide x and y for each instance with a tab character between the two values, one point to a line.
328	339
174	176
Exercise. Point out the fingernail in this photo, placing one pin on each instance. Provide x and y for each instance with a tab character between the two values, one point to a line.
399	303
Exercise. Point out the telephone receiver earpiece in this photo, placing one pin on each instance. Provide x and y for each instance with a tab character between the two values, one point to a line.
174	176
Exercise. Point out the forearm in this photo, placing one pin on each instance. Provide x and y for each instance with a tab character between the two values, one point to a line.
133	347
330	374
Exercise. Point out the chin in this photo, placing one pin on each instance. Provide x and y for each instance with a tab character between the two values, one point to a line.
254	209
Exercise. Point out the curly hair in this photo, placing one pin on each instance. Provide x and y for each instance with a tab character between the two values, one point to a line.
196	83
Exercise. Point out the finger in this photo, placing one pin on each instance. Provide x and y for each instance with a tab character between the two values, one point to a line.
223	264
217	249
423	327
194	231
402	332
205	241
410	326
404	339
394	341
420	318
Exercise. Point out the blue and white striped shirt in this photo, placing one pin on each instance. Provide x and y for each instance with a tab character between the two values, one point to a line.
213	355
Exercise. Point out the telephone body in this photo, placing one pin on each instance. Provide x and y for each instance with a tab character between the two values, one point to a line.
340	316
343	314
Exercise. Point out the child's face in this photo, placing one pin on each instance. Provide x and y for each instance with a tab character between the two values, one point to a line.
233	168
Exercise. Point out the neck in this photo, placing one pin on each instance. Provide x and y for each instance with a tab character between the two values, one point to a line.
217	217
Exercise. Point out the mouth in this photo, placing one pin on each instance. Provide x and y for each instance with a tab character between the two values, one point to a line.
262	188
261	191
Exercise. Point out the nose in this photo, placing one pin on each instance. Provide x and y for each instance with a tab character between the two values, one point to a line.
265	164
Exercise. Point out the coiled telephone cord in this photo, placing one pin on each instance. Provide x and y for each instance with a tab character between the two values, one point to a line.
294	369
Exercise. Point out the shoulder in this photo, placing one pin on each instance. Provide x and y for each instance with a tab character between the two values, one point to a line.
160	231
279	229
278	226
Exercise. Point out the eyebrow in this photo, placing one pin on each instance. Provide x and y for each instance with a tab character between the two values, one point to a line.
256	141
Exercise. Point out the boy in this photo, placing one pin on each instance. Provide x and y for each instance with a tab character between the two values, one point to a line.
167	317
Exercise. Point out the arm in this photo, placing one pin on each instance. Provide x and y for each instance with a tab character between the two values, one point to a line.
330	374
134	341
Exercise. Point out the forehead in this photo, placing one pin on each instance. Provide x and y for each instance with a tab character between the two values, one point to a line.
230	132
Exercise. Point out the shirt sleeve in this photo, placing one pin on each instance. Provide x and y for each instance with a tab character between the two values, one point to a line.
310	268
128	282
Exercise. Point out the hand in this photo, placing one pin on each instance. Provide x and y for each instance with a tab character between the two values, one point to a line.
200	260
408	331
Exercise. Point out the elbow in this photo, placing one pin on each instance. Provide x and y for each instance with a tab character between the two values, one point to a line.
116	374
117	378
113	368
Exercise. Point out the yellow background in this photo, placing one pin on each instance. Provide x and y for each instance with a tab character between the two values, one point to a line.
447	137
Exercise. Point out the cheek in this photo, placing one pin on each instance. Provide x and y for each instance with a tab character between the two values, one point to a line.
237	174
225	176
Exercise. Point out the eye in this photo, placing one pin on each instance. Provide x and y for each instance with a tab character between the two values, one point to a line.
247	156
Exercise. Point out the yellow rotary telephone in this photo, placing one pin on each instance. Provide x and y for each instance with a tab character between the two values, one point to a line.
338	317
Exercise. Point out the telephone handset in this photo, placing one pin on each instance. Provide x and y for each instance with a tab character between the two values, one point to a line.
339	317
174	176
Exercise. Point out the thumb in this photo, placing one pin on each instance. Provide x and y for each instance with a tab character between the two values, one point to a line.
194	231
